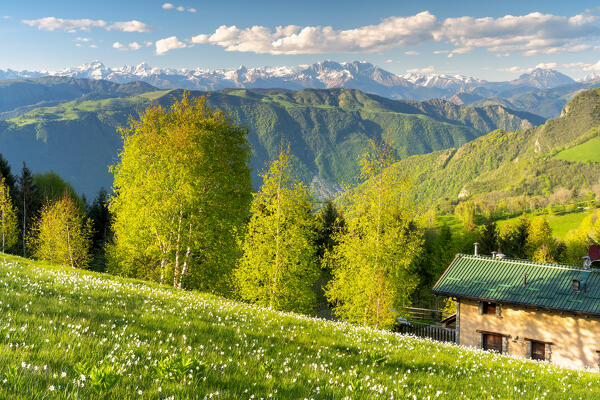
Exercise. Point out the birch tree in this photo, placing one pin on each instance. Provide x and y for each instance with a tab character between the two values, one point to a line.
62	234
278	268
371	262
9	233
182	189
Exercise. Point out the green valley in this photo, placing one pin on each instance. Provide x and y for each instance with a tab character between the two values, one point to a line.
326	129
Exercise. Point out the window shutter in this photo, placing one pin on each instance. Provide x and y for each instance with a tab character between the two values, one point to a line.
548	352
504	344
528	351
481	308
480	340
498	311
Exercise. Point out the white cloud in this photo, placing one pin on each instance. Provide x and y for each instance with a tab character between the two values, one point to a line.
550	65
426	70
82	39
592	67
148	44
522	70
74	25
292	39
533	34
530	34
69	25
576	65
389	60
167	44
170	6
130	26
93	46
6	17
412	53
130	46
519	70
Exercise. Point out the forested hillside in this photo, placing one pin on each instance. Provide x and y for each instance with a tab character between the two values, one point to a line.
326	129
514	163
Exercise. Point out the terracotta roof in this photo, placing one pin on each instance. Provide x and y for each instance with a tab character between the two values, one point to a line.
546	286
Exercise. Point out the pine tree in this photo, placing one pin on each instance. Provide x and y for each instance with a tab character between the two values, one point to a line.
99	216
9	233
62	234
28	204
371	263
489	238
9	178
278	268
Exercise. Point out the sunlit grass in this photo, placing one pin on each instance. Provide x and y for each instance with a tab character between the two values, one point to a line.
68	334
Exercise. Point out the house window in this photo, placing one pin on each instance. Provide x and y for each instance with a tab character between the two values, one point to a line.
489	308
492	341
537	350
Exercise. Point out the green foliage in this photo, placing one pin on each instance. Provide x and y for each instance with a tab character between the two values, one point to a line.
9	228
182	189
503	165
28	205
51	187
327	130
488	238
62	234
279	268
371	263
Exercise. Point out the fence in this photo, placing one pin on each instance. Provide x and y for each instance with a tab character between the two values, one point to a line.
424	314
429	331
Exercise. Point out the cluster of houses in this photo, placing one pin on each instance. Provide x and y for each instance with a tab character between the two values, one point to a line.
529	309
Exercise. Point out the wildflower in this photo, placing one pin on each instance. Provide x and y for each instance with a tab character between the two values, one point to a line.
51	388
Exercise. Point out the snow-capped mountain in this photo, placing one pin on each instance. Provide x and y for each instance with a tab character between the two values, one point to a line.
325	74
591	77
543	79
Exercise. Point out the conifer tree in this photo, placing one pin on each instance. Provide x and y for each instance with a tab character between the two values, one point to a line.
371	263
278	268
62	234
9	233
28	205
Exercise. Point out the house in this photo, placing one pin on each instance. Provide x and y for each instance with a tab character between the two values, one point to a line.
534	310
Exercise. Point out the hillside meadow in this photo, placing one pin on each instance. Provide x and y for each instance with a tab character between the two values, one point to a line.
69	334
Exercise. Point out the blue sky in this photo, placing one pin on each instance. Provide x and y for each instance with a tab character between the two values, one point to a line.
487	39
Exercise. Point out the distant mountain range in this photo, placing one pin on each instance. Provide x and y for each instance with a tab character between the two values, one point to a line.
353	75
69	125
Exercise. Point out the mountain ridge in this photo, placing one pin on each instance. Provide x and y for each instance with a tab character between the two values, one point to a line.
359	75
326	128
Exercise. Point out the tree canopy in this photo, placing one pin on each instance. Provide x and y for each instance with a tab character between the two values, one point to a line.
182	189
278	268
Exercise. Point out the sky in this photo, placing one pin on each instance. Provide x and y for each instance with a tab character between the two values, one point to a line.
493	40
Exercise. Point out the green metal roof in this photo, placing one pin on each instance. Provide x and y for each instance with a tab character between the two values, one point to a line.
501	280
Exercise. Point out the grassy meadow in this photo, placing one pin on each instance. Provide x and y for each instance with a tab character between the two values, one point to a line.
73	334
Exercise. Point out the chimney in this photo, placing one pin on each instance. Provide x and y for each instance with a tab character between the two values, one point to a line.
493	254
524	279
476	248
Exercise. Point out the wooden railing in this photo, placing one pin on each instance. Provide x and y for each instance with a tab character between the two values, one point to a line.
424	314
433	332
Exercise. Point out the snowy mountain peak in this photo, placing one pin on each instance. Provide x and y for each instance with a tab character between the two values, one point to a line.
543	79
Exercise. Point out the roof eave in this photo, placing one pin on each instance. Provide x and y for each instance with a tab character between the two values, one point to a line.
515	303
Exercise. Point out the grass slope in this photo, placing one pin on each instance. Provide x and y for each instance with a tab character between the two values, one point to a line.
67	334
326	129
587	151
